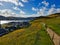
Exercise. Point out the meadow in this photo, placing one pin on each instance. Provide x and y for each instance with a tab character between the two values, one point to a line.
33	35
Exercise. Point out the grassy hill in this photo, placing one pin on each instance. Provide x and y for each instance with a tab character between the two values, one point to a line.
33	35
52	21
54	15
54	24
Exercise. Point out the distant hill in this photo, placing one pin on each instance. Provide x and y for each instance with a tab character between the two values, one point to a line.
19	18
15	18
29	18
49	16
54	15
2	17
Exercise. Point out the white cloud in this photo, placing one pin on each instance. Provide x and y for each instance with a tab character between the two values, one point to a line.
7	12
58	10
16	2
24	0
21	4
45	3
34	15
51	11
1	4
45	11
22	12
16	8
12	1
34	9
42	11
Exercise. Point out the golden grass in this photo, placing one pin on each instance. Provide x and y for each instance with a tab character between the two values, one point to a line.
26	36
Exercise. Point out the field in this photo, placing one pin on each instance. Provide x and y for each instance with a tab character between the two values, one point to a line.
33	35
54	23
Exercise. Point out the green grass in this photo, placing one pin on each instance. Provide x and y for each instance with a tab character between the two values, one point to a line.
43	38
34	35
54	23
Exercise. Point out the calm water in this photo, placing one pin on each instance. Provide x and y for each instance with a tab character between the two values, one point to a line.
7	21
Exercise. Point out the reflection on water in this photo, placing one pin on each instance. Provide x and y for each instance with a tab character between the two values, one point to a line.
7	21
3	22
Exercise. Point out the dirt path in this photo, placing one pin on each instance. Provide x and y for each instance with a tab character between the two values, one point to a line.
54	36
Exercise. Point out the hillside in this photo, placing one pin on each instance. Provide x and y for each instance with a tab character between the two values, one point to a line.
54	24
52	21
34	35
49	16
15	18
54	15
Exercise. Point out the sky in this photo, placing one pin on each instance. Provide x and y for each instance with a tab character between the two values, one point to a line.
29	8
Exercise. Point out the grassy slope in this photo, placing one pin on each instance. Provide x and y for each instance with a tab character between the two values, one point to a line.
34	35
54	23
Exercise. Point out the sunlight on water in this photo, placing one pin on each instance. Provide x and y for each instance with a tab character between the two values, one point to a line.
3	22
7	21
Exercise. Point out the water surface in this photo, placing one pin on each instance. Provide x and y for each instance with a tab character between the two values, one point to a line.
8	21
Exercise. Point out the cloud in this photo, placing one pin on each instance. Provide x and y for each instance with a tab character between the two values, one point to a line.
21	4
42	11
45	3
1	4
58	10
12	1
51	11
24	0
16	2
22	12
34	9
16	8
7	12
